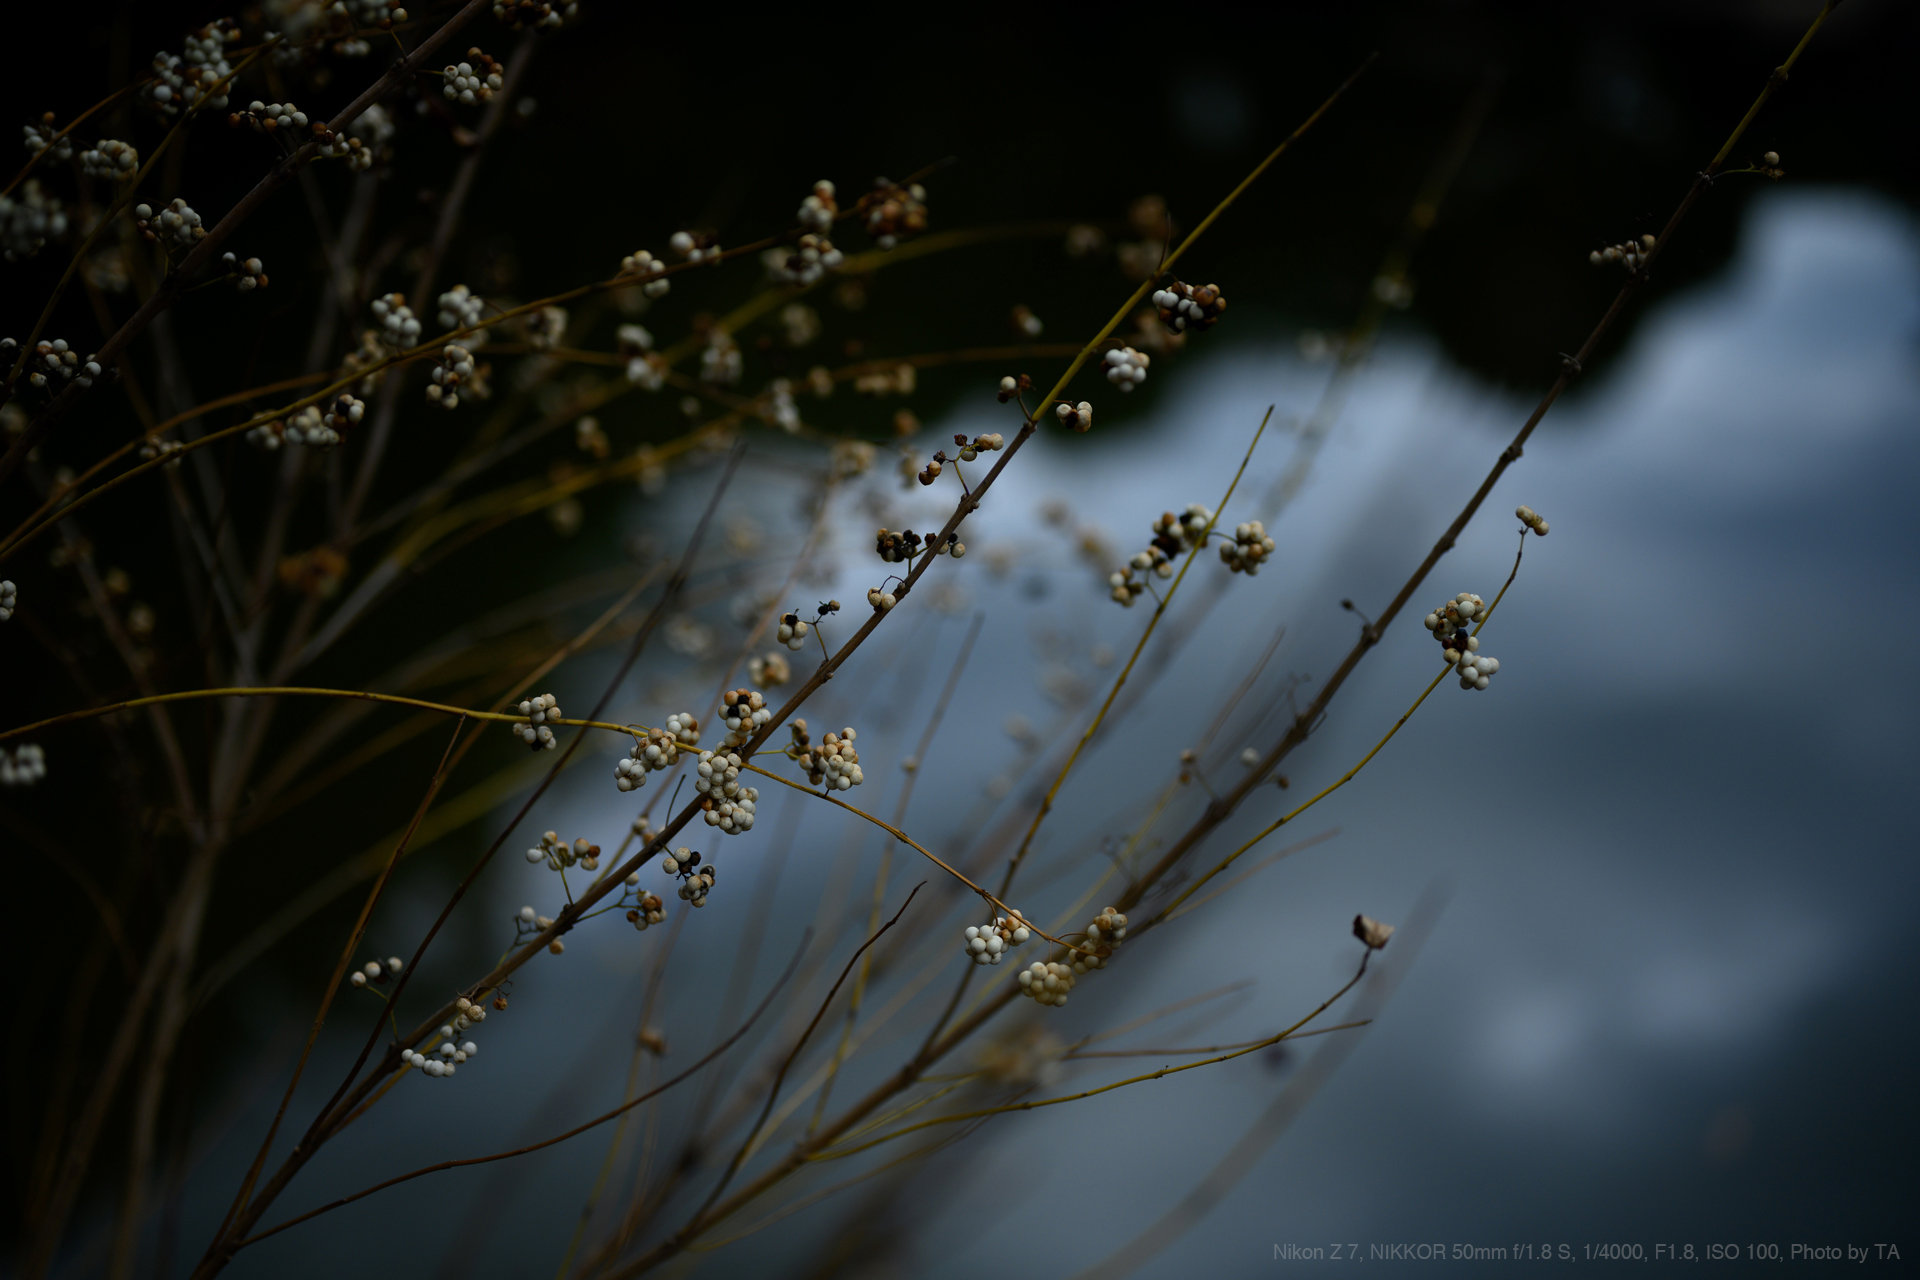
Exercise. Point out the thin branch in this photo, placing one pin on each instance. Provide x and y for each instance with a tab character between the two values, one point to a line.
574	1132
301	691
773	1092
1167	912
1074	1055
1120	681
918	762
341	1108
340	968
1292	1100
838	1153
919	848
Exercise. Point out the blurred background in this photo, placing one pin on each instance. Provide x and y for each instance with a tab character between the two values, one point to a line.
1661	867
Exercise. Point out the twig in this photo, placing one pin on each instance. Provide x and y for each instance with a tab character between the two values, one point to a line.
1291	1101
339	974
574	1132
773	1092
297	691
837	1153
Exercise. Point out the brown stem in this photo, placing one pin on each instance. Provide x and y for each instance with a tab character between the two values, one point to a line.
341	1107
577	1130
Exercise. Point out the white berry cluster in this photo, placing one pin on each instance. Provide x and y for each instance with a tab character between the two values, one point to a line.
532	13
55	361
248	275
720	361
881	600
1449	624
1046	982
724	801
558	854
344	412
28	223
26	766
648	268
189	77
462	308
473	81
177	222
526	924
42	136
1172	534
448	1057
644	369
897	548
1184	306
769	672
894	211
448	1054
743	711
792	632
1476	670
989	944
991	442
375	972
545	327
399	328
1127	368
695	879
1124	588
1461	649
695	246
454	367
110	158
309	427
658	749
833	764
1078	416
269	117
370	135
358	155
1249	549
817	211
1190	526
9	599
681	729
1103	935
536	732
1628	253
268	436
647	909
1532	519
347	16
808	264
